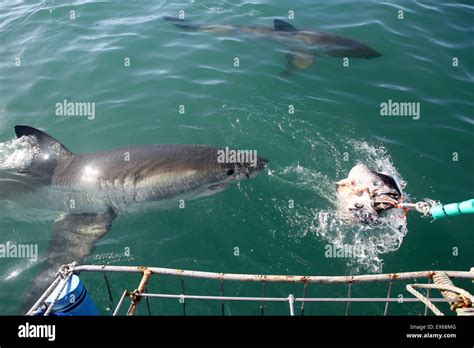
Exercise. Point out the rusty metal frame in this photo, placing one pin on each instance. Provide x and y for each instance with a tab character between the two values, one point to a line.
136	295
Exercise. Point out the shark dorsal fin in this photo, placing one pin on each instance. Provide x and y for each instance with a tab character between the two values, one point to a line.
50	151
283	26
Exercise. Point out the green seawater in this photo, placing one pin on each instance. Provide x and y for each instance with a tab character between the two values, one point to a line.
49	54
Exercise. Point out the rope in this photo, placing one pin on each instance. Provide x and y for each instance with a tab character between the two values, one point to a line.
423	207
430	280
465	311
390	285
305	290
262	305
147	303
462	300
56	298
65	272
108	289
182	291
349	295
222	294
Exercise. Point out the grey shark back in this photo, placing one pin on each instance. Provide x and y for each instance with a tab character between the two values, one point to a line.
337	46
196	27
182	24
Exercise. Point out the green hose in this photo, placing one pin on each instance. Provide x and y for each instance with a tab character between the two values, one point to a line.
453	209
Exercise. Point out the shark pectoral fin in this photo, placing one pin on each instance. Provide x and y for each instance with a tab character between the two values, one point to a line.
218	187
298	61
212	189
74	237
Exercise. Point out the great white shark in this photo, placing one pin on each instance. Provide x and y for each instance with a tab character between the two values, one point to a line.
91	189
303	46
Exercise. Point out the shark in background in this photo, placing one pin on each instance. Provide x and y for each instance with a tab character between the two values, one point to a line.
91	189
303	45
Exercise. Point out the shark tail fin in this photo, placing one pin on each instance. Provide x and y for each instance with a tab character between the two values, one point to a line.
182	23
50	151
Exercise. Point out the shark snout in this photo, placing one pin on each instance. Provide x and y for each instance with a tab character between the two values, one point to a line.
370	53
363	51
374	54
255	168
261	163
246	170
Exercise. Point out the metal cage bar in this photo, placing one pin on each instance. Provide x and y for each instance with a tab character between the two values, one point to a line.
147	272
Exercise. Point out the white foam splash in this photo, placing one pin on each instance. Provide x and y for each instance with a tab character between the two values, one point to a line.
18	153
377	159
371	241
107	258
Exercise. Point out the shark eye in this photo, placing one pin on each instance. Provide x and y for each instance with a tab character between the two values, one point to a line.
230	172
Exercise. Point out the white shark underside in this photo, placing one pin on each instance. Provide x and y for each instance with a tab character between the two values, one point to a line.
91	189
303	45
